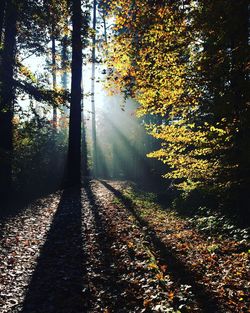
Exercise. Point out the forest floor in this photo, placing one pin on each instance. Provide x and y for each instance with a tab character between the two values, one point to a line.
108	247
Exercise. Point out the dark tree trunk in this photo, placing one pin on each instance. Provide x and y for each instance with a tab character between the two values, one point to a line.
239	47
7	99
2	12
74	150
54	78
94	147
240	91
105	29
64	65
84	143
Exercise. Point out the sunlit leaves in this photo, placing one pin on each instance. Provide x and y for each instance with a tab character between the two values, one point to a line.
157	56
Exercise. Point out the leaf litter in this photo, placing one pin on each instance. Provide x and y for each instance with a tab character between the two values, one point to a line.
106	252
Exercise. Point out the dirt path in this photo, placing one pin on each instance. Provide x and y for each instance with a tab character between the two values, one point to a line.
90	250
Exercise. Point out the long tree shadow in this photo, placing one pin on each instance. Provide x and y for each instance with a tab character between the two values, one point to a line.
110	280
178	270
19	203
56	285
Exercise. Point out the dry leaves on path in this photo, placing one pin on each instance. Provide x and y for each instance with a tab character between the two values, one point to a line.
218	264
99	249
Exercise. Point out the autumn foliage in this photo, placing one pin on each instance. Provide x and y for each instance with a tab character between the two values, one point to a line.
180	62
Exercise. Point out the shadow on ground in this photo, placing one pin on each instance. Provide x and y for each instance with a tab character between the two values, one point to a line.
69	280
116	293
56	285
19	203
179	271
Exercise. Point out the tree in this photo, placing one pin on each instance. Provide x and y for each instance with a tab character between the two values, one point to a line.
223	62
2	12
64	64
74	150
185	63
57	18
7	97
54	70
93	60
30	38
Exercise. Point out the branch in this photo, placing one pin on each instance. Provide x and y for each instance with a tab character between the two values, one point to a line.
43	95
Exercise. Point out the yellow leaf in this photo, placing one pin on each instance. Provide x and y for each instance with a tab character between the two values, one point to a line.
146	303
153	266
159	276
130	244
171	296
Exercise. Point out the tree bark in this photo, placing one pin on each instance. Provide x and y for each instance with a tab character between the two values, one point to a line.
240	90
74	150
94	144
239	47
2	12
64	63
84	143
7	99
54	78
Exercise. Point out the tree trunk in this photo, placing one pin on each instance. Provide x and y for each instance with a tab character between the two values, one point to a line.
105	29
74	150
64	63
2	12
7	99
84	143
239	47
239	88
54	78
94	147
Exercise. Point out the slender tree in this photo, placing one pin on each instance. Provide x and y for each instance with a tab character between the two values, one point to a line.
84	142
53	50
94	148
2	12
64	66
239	39
74	150
7	98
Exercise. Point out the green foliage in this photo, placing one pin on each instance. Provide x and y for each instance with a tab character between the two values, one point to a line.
39	157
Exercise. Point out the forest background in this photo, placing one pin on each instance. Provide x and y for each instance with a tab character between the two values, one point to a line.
185	65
